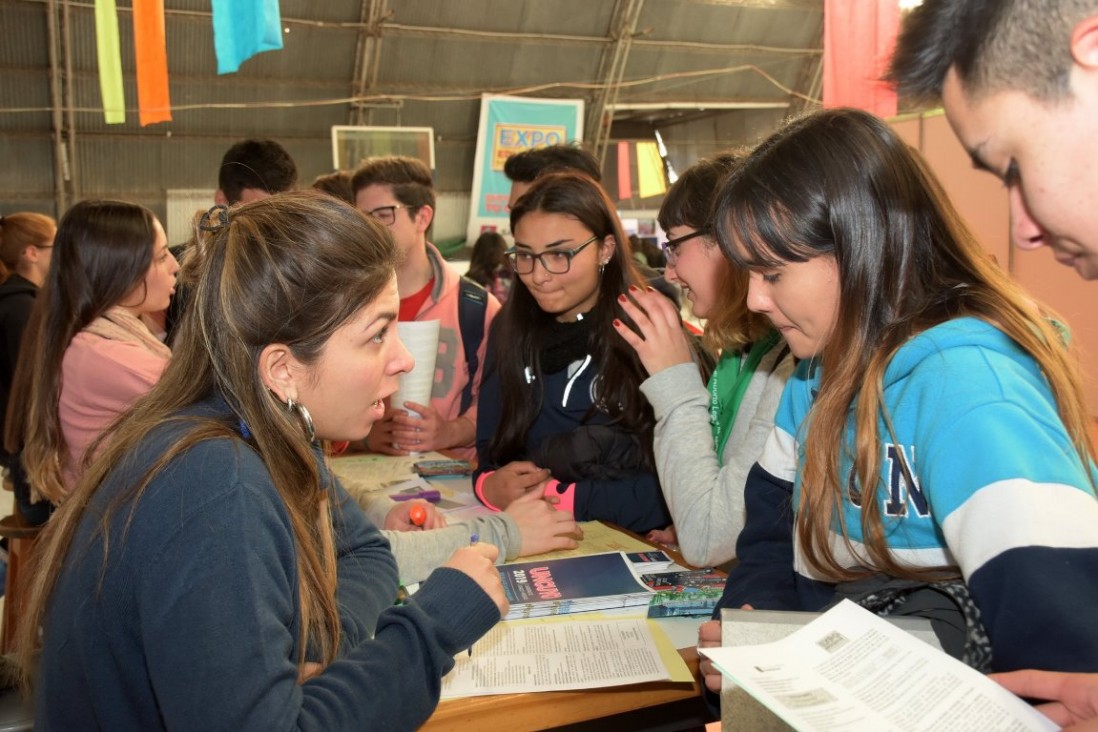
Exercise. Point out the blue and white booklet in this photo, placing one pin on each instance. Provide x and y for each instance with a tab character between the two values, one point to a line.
571	585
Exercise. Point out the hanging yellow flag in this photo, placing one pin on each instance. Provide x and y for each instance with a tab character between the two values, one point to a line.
110	62
651	179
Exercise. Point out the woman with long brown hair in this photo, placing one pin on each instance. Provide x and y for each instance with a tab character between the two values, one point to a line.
90	353
209	572
932	447
561	409
708	435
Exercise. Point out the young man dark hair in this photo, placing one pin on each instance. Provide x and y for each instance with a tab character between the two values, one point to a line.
254	169
1019	83
523	168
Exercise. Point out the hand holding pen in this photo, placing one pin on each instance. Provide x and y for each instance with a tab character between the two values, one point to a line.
477	561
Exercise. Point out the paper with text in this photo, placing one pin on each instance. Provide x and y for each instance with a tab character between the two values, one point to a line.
598	538
540	655
852	670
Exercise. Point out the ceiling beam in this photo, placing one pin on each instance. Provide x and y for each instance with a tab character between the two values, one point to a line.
701	105
802	5
372	15
623	25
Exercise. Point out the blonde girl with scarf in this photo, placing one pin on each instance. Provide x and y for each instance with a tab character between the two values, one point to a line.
91	354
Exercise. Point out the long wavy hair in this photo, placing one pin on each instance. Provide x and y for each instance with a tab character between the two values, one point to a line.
288	269
730	325
102	251
842	183
522	325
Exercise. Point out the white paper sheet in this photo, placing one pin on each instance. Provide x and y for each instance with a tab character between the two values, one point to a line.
851	670
524	656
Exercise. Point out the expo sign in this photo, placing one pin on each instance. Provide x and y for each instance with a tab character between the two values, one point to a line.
509	138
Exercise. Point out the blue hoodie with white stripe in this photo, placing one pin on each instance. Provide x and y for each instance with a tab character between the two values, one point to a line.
999	492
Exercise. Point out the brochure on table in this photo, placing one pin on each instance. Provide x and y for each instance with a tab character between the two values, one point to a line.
852	670
564	653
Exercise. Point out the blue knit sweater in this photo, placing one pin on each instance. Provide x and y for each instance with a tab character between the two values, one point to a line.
193	623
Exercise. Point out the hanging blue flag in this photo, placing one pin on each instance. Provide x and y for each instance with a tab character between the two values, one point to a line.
243	28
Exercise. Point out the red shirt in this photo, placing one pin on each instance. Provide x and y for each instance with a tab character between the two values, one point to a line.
409	306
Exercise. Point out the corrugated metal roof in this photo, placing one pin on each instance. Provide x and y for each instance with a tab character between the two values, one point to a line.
690	57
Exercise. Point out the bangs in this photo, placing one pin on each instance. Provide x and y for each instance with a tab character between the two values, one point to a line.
761	235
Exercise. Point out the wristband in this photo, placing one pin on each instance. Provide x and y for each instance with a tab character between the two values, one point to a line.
478	489
565	493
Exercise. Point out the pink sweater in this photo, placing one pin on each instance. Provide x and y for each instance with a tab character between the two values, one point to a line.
451	371
101	378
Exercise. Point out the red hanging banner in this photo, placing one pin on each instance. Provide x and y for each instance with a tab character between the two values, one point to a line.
859	36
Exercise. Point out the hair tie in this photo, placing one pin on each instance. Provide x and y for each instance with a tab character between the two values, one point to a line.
215	219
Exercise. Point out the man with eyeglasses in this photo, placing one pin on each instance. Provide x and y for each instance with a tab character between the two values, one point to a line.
398	192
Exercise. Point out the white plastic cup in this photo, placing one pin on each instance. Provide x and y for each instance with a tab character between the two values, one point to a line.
421	338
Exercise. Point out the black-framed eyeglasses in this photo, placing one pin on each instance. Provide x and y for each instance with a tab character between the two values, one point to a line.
670	247
386	214
555	261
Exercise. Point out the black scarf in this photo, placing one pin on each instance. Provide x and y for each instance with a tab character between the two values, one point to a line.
564	343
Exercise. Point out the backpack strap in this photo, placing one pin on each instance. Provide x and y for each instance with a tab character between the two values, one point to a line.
472	307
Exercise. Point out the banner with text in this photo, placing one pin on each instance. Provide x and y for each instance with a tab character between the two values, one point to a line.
509	125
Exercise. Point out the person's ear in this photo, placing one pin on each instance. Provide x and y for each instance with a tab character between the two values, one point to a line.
220	198
1084	43
424	216
606	248
280	371
31	253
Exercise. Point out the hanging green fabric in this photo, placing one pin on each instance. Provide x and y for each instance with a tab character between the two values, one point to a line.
729	383
109	54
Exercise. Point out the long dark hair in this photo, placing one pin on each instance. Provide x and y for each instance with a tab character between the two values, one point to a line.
522	325
287	269
102	251
842	183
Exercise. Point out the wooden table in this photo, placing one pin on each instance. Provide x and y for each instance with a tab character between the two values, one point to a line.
546	709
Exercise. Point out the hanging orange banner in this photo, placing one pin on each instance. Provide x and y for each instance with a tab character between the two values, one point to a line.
153	100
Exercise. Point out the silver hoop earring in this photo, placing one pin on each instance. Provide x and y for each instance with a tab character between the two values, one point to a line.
303	414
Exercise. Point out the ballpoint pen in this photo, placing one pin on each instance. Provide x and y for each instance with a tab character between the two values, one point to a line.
473	540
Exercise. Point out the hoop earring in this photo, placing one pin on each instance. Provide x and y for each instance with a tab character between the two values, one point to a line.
602	267
303	414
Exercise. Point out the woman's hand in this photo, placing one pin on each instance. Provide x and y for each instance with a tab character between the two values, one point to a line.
543	528
477	561
709	636
419	429
667	537
1072	697
513	481
380	439
659	339
399	517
